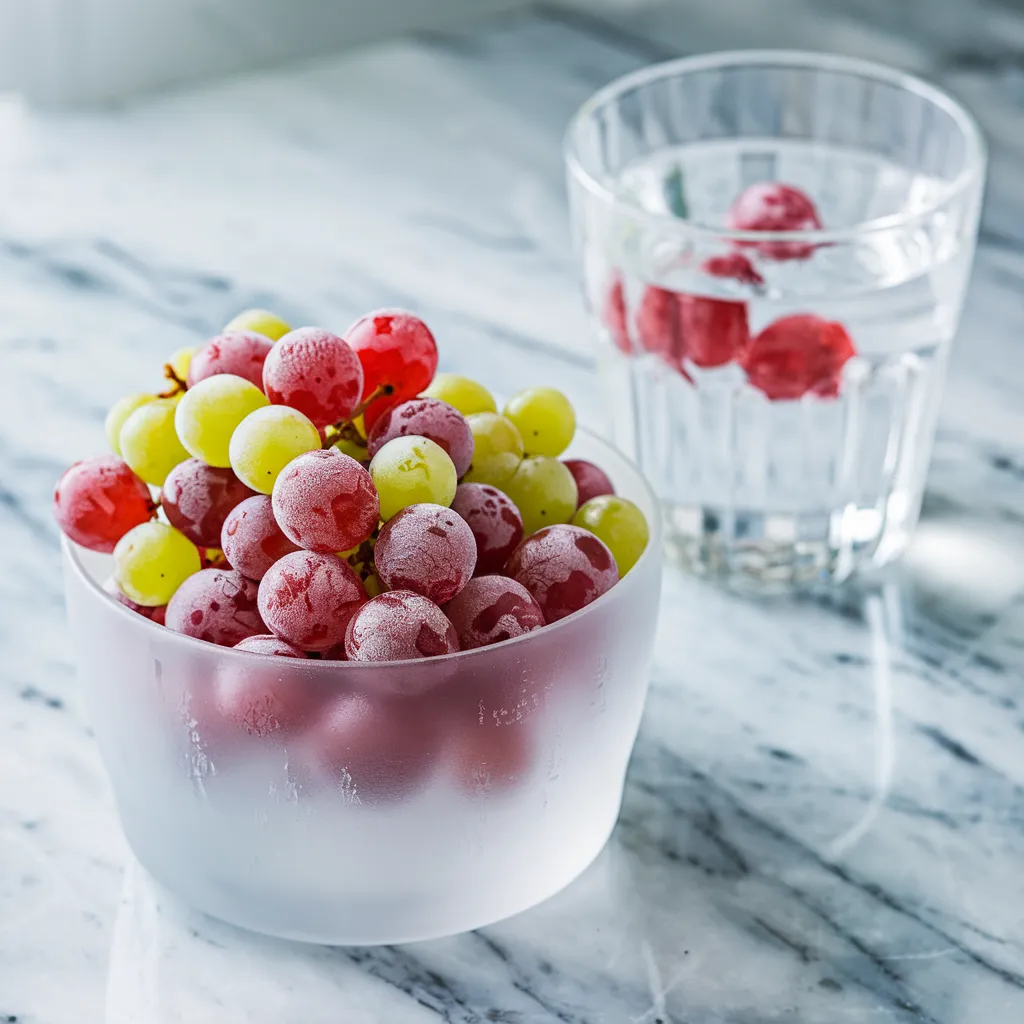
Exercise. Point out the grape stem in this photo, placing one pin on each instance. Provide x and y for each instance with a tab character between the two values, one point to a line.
177	384
378	392
345	430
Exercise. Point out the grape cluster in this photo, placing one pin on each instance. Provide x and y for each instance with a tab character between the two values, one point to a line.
301	494
791	357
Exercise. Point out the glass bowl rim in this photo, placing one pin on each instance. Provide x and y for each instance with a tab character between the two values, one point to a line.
974	159
653	550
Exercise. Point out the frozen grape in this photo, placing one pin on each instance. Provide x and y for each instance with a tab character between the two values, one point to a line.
399	626
545	419
209	412
119	412
216	605
461	393
430	418
196	498
96	502
315	372
774	206
564	568
409	471
398	354
307	598
544	491
495	521
266	441
591	480
428	549
153	614
325	501
497	449
491	609
620	524
239	353
149	441
799	354
267	643
251	539
152	561
262	321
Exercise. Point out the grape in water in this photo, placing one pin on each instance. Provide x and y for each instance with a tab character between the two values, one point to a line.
430	418
412	470
119	413
461	393
399	626
613	315
544	491
196	498
315	372
152	560
657	325
716	330
428	549
251	539
96	502
153	614
149	442
210	411
266	441
307	598
545	419
241	353
775	206
564	568
497	449
267	643
620	524
216	605
262	321
326	501
495	522
491	609
399	357
591	480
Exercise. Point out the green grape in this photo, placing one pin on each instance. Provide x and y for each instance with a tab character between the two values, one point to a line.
119	412
545	419
266	441
411	470
262	321
497	449
620	524
181	360
209	412
461	393
149	442
151	561
544	491
353	449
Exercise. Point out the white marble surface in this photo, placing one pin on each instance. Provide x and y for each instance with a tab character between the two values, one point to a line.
824	819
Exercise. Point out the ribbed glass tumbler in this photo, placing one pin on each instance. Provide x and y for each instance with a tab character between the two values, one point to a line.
775	248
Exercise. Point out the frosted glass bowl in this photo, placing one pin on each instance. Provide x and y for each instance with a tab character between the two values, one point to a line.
484	782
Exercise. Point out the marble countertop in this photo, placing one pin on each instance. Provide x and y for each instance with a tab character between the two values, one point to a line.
824	818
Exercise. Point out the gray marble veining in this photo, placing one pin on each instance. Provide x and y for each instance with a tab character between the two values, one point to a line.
824	818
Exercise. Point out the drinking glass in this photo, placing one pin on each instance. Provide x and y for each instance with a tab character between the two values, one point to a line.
775	362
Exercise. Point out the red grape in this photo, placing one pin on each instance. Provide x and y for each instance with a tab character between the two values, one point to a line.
216	605
715	331
591	480
96	502
564	568
156	614
266	701
798	354
430	418
428	549
307	598
325	501
399	626
734	265
251	539
239	352
267	643
774	206
196	499
657	324
398	352
315	372
483	758
614	315
496	524
491	609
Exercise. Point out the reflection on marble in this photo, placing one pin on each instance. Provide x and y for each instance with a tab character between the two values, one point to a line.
824	819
